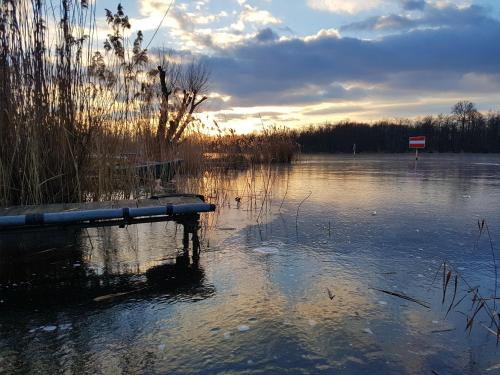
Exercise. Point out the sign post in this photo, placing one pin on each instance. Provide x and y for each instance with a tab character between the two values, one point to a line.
417	143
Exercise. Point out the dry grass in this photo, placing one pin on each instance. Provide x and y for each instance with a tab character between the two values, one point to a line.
453	279
74	119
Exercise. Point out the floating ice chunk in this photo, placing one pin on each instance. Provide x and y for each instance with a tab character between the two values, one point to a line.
65	326
374	213
420	275
461	268
494	367
466	196
435	322
382	303
312	322
243	328
76	265
227	335
266	250
49	328
368	330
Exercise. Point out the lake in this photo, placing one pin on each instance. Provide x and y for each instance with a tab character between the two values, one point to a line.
289	279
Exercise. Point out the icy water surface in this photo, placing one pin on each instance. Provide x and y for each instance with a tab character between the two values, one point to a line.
279	288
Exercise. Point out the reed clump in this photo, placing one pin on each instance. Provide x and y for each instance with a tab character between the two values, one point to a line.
77	117
273	144
44	134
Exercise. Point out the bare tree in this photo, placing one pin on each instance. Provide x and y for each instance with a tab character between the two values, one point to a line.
183	90
465	113
170	77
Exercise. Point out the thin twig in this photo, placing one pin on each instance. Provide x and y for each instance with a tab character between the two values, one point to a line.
286	192
494	264
403	296
298	208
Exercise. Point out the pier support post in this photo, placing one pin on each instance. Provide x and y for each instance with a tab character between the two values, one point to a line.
191	226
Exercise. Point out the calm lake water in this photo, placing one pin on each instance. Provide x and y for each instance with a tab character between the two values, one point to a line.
275	291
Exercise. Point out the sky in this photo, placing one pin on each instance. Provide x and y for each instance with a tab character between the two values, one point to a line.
300	62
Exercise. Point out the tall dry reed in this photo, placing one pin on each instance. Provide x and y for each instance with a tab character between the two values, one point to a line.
75	116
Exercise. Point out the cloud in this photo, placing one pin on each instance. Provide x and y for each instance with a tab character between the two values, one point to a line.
344	6
323	33
266	35
258	16
438	52
413	4
147	7
327	67
390	22
194	28
432	15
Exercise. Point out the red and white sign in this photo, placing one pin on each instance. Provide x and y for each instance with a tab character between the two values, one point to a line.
417	142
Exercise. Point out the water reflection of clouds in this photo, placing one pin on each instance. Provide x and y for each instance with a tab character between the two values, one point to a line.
282	296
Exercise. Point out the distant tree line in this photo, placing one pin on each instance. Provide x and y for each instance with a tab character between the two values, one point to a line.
464	130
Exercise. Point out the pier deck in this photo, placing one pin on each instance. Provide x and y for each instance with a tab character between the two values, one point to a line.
120	212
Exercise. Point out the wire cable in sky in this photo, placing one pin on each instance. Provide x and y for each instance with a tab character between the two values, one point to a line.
161	23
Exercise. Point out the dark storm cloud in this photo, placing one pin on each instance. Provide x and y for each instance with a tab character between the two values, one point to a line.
279	71
390	22
432	16
266	35
413	4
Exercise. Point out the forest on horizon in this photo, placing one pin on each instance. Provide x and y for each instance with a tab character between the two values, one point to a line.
464	130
